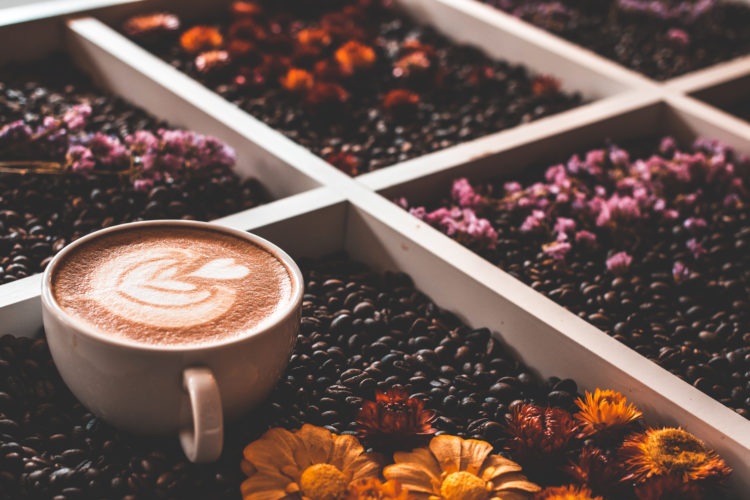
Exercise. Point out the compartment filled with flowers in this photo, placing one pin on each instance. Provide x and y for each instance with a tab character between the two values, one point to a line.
358	83
648	243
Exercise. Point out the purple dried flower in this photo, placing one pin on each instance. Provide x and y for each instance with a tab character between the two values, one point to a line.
680	272
619	263
465	196
75	117
678	37
80	158
696	248
557	249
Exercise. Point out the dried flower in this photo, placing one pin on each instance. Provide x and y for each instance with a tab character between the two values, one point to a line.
566	493
75	117
605	411
464	195
310	462
456	469
374	489
212	61
462	224
346	162
400	102
326	94
394	420
244	8
298	80
201	38
545	85
539	435
670	488
242	50
619	263
150	27
412	64
80	158
557	249
314	36
354	56
596	469
678	37
671	451
247	29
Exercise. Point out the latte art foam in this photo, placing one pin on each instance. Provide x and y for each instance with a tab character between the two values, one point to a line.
172	285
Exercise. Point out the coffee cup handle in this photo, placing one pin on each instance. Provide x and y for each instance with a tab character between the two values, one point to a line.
204	441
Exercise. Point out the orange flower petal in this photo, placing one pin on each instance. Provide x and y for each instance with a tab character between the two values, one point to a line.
422	457
201	38
266	486
447	451
495	465
473	454
273	451
413	477
318	444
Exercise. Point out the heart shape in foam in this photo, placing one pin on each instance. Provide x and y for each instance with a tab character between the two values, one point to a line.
221	269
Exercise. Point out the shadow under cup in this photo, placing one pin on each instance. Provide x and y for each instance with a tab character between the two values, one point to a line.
157	389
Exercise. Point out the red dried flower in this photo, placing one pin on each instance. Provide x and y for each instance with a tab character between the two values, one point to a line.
212	61
538	434
200	39
324	93
244	9
545	85
346	162
394	420
150	27
297	80
398	102
247	29
596	469
414	64
354	56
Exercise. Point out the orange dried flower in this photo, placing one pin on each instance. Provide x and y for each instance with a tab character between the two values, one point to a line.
412	64
201	38
538	434
400	101
374	489
212	61
151	25
243	9
297	80
417	46
316	37
545	85
669	488
671	452
605	411
247	29
354	56
346	162
566	493
342	25
394	420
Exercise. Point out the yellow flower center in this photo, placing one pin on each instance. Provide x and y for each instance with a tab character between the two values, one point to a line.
463	485
322	482
676	450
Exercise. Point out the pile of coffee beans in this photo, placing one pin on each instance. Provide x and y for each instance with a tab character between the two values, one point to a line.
462	93
41	213
360	331
658	45
683	300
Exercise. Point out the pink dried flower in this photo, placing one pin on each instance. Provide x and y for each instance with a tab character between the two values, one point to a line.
618	157
465	196
678	37
696	248
532	222
80	158
75	117
143	184
108	151
464	225
512	187
562	226
619	263
585	238
694	223
557	249
680	272
668	146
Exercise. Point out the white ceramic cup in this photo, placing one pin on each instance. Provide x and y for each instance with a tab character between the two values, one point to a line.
163	389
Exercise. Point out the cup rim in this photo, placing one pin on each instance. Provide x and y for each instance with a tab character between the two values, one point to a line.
49	302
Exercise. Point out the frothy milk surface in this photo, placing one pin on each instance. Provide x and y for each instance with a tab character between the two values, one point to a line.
173	286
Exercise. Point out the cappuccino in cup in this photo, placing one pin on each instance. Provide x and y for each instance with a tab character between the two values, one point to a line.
163	327
172	286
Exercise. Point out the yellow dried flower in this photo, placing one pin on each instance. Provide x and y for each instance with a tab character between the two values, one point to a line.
605	411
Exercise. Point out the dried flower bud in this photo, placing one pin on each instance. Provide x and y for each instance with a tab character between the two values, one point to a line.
247	29
150	27
324	93
200	39
245	9
545	85
297	80
400	101
346	162
314	36
354	56
416	63
212	61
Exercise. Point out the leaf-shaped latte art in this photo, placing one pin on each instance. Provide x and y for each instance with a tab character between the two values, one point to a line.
173	288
